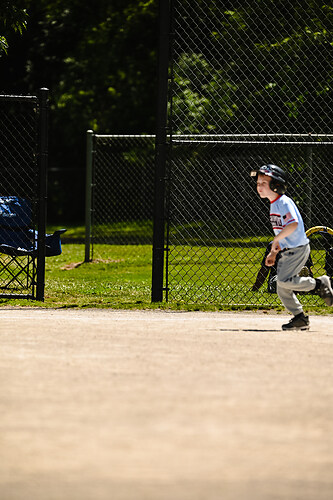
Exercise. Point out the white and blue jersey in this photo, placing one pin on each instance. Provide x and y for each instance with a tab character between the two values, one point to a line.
283	212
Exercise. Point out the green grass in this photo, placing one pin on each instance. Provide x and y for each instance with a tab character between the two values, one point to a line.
119	277
223	276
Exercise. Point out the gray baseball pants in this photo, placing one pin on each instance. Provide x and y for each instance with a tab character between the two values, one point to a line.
290	264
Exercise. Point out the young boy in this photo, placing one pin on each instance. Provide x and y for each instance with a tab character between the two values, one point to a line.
292	244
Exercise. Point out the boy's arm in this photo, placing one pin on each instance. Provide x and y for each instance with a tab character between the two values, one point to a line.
286	231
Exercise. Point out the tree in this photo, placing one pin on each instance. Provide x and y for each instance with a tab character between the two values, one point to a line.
256	68
13	18
245	67
99	61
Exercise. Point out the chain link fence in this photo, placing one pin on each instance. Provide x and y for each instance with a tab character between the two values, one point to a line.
23	144
122	180
250	85
219	228
252	67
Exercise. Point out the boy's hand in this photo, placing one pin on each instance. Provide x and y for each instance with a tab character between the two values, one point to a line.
275	247
270	259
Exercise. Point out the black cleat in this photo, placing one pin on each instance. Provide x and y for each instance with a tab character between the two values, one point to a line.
325	291
298	322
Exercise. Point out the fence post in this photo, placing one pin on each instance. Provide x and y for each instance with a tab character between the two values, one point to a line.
308	215
43	94
89	162
161	151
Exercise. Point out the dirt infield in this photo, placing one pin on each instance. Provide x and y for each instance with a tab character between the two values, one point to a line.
150	405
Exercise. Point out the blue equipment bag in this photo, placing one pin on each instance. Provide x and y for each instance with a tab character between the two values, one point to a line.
16	235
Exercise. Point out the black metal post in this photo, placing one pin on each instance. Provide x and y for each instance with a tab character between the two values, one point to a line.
88	207
308	208
161	148
42	191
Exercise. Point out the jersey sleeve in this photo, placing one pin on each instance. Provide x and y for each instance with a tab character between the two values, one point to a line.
288	213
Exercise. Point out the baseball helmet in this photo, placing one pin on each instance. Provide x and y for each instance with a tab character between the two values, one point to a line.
278	182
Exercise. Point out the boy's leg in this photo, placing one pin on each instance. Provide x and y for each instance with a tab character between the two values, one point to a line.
288	281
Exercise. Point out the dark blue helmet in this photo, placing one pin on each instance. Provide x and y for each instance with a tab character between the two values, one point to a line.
278	182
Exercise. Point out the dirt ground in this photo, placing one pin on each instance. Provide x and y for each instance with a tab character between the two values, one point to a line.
151	405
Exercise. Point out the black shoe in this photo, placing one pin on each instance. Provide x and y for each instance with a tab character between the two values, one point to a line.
299	322
325	290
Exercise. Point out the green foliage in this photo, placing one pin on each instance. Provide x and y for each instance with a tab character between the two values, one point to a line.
99	61
3	44
202	98
238	69
241	65
13	18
